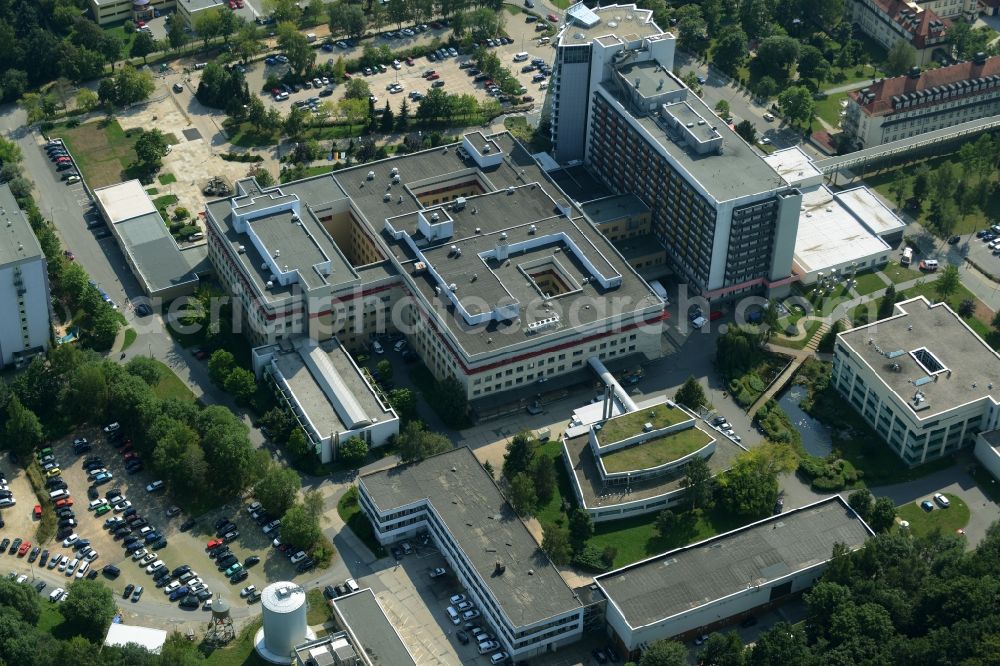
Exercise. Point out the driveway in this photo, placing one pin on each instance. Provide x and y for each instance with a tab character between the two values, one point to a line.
955	480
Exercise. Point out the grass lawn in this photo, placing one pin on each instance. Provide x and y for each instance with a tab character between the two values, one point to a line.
130	336
102	149
947	520
811	328
171	386
868	283
165	200
829	110
512	9
619	428
166	178
319	611
561	4
238	653
656	452
51	620
350	512
637	538
897	273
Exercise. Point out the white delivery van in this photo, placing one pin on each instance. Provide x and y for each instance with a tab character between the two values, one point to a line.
659	290
907	257
521	57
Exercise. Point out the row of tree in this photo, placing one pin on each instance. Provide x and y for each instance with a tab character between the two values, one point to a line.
74	297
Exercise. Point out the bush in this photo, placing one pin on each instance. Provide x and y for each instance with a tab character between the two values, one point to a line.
241	157
188	230
181	213
591	559
812	467
828	483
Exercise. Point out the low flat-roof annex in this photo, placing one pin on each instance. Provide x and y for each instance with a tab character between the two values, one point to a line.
686	578
483	526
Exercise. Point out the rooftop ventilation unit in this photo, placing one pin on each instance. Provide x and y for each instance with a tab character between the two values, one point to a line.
277	253
542	324
394	171
532	229
453	287
296	218
241	249
510	189
503	235
486	148
387	197
647	427
459	203
435	217
395	178
269	284
371	175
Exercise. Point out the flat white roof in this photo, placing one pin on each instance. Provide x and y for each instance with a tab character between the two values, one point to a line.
123	634
125	201
867	206
794	165
830	235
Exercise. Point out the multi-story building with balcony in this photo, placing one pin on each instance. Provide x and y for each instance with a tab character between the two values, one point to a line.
924	380
26	328
964	10
726	219
904	106
497	562
891	21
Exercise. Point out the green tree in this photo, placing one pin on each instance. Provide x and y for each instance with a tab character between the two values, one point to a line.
813	64
297	444
883	515
948	283
151	147
89	609
796	103
416	443
176	36
777	55
207	24
664	653
20	598
85	396
544	476
666	521
353	451
749	488
296	48
697	481
921	185
900	58
755	17
87	100
722	108
295	122
691	394
179	458
22	431
730	50
388	121
247	43
520	455
403	117
283	11
747	131
148	369
692	28
142	45
899	187
555	543
384	370
488	466
242	384
299	527
220	364
781	644
723	650
522	494
862	502
996	321
357	88
278	490
888	302
404	401
229	23
581	528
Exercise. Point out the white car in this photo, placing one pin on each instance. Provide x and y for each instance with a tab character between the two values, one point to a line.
96	504
71	539
71	567
377	347
942	501
499	658
56	594
247	591
91	556
298	557
208	605
457	599
148	558
271	526
82	571
122	506
173	586
139	554
22	578
154	486
158	564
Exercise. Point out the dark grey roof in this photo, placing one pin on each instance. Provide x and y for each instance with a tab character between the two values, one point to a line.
614	207
155	253
484	527
686	578
18	240
367	621
970	368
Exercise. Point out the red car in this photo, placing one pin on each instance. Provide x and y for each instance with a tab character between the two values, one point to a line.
553	18
715	314
232	4
69	255
141	24
434	77
214	543
347	75
130	455
239	3
37	512
409	61
68	501
23	550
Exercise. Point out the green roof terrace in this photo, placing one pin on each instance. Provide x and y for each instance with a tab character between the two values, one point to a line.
629	425
656	452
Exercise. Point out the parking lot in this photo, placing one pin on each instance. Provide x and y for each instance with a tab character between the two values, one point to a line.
184	547
18	519
416	603
456	81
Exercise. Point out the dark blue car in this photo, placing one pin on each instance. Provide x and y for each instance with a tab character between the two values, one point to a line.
179	593
152	536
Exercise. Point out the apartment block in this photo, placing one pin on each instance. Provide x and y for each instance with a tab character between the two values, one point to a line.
26	328
892	21
905	106
106	12
924	380
726	219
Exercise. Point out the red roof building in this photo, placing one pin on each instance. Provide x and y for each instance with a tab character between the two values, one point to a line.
899	107
889	21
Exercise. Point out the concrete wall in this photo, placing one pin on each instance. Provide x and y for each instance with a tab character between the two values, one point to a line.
712	613
35	302
988	456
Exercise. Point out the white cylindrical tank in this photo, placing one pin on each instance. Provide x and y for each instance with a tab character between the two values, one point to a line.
284	608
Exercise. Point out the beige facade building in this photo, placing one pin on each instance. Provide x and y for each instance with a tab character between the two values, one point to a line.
892	21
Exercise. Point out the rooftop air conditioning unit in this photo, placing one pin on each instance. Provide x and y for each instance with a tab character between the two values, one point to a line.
486	148
371	175
532	229
241	249
459	203
435	217
387	197
646	427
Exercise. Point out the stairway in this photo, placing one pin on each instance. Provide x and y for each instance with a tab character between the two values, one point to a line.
817	336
